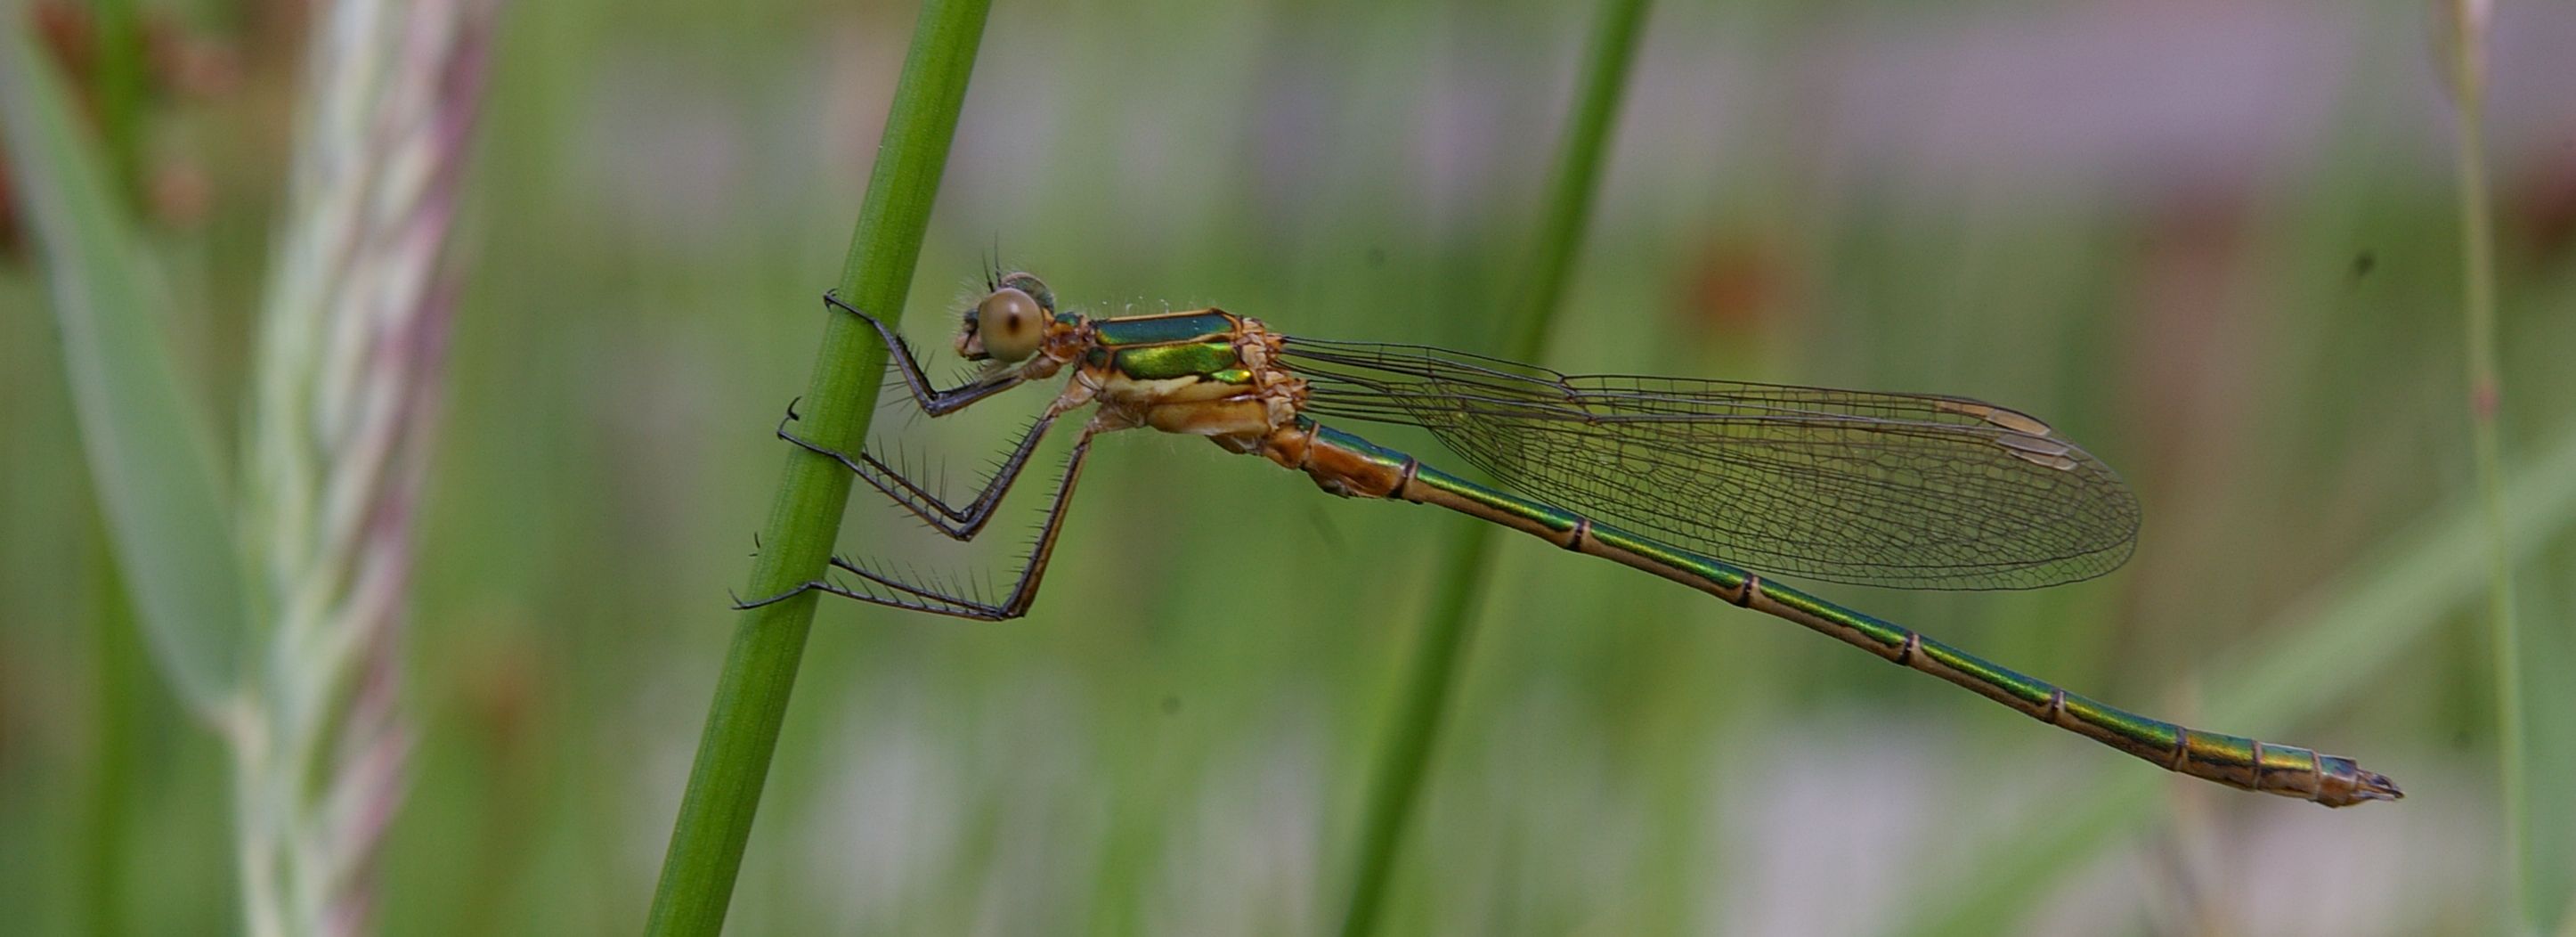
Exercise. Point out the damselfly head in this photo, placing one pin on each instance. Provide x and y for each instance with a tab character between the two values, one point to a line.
1009	323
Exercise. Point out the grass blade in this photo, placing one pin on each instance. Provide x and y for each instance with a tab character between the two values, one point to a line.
1414	730
741	733
151	451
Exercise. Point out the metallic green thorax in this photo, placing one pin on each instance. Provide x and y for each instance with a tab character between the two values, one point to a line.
1190	359
1156	348
1163	330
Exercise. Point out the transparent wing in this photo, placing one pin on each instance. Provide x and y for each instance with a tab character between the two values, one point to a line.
1918	492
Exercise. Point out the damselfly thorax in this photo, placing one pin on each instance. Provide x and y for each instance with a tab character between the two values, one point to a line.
1202	373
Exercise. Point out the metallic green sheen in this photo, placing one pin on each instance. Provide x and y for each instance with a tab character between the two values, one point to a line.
1553	518
2288	758
1161	330
2014	684
2213	748
2151	733
1161	362
1721	574
1232	376
1886	635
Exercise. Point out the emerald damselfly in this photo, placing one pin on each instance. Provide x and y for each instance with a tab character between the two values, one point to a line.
1661	474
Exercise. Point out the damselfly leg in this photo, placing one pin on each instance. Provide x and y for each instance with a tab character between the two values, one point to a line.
959	523
955	522
892	592
934	402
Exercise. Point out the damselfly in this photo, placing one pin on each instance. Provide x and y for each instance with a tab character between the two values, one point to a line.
1661	474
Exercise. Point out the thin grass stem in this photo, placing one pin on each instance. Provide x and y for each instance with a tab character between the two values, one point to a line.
118	735
2466	40
1423	698
714	822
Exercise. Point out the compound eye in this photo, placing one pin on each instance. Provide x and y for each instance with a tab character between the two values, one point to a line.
1009	325
1030	284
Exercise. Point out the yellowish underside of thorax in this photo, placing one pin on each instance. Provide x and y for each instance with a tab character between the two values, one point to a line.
1192	405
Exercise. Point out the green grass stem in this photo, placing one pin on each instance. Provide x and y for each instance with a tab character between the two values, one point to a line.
117	736
119	93
751	694
2467	41
1423	697
118	83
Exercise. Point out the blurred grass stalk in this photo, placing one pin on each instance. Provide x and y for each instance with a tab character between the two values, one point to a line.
346	387
1413	732
276	622
741	734
119	78
2464	35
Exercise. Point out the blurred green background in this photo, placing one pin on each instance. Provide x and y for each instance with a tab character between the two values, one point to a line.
2215	242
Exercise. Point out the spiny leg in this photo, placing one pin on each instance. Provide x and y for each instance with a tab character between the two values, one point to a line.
955	522
924	599
933	401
